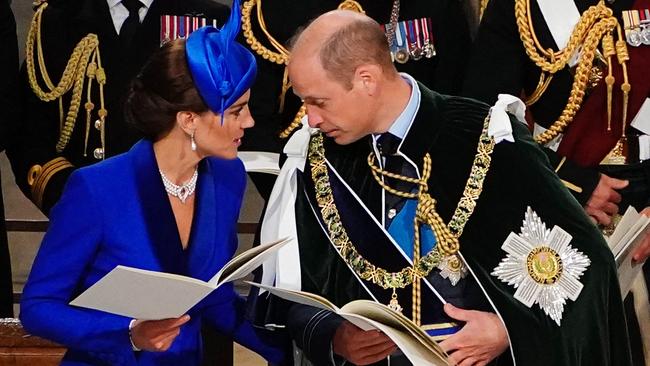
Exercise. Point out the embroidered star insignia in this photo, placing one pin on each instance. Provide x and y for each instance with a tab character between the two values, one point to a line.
542	266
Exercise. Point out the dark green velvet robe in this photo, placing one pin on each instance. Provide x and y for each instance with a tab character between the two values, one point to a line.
593	329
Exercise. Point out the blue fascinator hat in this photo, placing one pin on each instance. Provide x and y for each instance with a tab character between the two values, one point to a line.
222	69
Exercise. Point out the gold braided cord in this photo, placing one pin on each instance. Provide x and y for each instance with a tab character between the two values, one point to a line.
541	56
446	235
595	24
580	82
297	121
482	6
281	55
72	78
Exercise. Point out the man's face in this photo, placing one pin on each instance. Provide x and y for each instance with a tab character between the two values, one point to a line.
346	115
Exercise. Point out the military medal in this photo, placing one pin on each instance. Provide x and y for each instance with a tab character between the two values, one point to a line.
429	48
402	53
636	24
542	266
179	27
644	16
414	40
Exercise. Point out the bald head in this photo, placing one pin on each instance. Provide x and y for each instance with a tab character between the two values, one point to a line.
343	40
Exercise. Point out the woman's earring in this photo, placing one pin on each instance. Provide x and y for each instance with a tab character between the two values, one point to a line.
192	142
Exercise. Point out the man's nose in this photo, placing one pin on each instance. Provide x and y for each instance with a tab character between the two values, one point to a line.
313	118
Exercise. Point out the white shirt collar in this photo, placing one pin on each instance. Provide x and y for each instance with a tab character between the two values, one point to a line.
114	3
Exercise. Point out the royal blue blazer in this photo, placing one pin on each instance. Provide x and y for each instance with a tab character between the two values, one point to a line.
117	212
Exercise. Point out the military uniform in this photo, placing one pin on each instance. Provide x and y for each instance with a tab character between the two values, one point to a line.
499	64
282	18
9	69
33	152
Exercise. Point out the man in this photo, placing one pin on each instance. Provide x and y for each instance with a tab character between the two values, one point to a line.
116	36
9	69
455	169
418	25
599	152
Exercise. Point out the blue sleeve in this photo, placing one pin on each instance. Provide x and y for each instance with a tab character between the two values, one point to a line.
58	273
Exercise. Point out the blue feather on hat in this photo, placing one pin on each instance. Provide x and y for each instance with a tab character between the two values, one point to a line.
222	69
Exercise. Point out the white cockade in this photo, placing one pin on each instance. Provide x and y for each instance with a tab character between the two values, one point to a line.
542	266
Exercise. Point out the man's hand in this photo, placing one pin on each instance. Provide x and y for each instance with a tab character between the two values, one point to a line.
482	339
361	347
642	252
157	335
603	203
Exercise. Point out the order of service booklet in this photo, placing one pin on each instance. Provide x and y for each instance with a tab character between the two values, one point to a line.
151	295
414	342
627	236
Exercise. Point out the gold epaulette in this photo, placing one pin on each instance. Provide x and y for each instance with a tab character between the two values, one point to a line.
39	176
84	64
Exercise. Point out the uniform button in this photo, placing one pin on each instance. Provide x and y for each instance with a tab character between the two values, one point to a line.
98	124
391	213
98	153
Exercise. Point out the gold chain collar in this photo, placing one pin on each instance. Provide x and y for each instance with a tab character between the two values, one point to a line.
425	213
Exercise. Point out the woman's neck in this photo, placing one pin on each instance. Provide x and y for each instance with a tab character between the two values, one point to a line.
175	157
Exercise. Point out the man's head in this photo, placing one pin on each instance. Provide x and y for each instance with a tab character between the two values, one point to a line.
341	67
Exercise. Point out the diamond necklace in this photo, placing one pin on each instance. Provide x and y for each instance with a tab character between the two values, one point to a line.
184	190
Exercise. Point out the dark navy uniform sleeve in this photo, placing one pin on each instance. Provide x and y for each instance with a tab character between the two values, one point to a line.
312	330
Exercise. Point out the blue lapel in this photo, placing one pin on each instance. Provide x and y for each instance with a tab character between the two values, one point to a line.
204	225
159	221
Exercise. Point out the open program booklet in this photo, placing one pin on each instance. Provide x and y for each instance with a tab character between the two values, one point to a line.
414	342
151	295
627	236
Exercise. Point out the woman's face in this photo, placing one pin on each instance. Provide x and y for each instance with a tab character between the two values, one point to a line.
214	139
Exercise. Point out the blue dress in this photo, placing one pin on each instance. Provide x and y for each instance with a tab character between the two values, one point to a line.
117	212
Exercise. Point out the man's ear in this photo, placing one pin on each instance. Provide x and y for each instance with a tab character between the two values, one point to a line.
367	77
186	121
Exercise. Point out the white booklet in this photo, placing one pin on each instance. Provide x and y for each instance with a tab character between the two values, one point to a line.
627	236
151	295
414	342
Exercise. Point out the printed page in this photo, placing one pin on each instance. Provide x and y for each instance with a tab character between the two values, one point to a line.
142	294
415	351
632	238
243	264
383	314
627	221
300	297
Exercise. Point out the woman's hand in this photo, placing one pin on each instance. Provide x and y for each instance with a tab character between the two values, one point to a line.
156	335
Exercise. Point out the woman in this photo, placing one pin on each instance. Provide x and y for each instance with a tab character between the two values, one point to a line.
169	204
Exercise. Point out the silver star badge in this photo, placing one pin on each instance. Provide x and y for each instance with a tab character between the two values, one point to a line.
542	266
